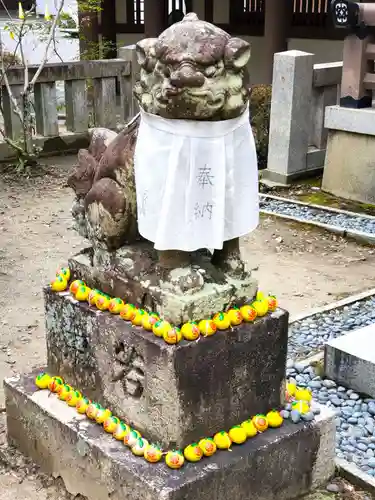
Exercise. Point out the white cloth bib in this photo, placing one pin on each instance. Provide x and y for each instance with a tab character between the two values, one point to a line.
196	182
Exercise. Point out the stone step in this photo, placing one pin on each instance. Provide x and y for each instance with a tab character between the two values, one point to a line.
350	360
278	464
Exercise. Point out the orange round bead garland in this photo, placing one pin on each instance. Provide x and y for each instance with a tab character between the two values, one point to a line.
140	447
171	334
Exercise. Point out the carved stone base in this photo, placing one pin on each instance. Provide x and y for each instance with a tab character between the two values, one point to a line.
172	394
184	294
279	464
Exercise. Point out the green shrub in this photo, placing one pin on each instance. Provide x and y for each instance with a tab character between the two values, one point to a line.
66	22
260	110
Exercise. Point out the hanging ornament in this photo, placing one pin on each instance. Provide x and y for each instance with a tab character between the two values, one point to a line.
47	15
21	13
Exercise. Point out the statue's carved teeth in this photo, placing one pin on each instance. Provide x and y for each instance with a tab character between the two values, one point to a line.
172	91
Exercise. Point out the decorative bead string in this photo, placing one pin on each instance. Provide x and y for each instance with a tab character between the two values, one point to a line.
153	453
152	322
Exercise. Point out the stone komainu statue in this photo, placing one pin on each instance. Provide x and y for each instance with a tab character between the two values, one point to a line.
193	71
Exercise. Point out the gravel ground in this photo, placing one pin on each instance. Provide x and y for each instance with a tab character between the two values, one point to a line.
344	221
355	415
310	335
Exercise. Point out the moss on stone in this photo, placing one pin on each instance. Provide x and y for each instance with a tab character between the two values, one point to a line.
306	191
320	496
325	199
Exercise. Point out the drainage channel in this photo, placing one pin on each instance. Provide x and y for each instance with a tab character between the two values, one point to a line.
358	226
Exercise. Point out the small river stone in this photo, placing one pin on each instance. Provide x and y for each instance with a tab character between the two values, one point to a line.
333	488
299	367
329	383
362	446
315	384
335	400
307	417
295	416
290	363
300	380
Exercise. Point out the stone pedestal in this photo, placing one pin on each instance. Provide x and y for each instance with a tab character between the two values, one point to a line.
278	465
349	166
350	360
179	295
172	394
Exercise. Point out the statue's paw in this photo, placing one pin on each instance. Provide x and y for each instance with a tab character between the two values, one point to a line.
185	280
79	217
111	220
82	178
231	265
100	140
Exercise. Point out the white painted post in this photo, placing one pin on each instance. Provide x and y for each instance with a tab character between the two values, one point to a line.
290	123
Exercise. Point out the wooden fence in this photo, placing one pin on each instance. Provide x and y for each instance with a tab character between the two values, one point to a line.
97	93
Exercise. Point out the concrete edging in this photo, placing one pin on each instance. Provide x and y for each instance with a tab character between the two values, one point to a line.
333	305
358	236
314	205
355	475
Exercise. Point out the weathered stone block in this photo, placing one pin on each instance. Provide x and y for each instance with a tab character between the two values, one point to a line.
350	360
290	114
178	392
277	465
178	296
347	173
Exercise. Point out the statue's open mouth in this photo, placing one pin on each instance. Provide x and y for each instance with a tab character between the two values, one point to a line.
171	92
208	96
164	96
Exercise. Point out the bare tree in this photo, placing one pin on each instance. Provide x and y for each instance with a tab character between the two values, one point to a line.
25	149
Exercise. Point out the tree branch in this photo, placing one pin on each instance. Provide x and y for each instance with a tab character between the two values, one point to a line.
55	50
23	60
49	41
14	102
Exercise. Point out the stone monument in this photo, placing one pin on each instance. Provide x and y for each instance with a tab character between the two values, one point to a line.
163	204
194	72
